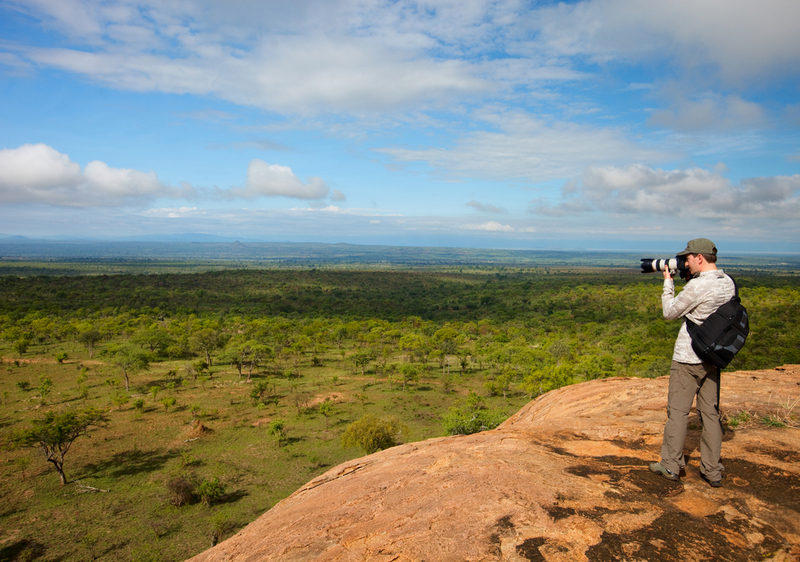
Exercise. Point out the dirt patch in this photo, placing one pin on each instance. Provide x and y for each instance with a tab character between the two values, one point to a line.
320	398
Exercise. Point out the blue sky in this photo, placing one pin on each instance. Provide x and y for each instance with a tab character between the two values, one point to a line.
603	124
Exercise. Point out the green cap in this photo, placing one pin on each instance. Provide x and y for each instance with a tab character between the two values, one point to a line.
699	246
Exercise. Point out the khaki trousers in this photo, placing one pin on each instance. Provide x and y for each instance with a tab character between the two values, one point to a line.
685	382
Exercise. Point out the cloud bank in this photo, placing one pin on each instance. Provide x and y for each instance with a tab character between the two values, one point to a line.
674	195
37	173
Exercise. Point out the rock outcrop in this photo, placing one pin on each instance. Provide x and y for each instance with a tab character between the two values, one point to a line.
564	479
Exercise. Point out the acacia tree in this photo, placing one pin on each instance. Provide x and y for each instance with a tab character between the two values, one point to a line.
361	360
257	354
131	360
234	355
207	340
56	431
89	339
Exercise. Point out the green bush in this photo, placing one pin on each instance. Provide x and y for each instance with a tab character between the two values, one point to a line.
210	490
278	429
463	421
258	391
473	417
45	387
120	399
372	433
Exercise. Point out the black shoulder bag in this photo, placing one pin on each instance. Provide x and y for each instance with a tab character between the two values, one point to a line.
720	337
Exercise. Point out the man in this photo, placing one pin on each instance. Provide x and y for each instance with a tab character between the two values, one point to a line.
707	289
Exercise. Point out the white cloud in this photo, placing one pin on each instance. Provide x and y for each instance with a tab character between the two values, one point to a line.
37	173
490	226
361	56
274	180
173	212
40	174
330	63
36	167
528	149
739	39
711	113
485	207
120	183
676	195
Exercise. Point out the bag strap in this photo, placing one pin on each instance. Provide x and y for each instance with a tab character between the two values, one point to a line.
735	287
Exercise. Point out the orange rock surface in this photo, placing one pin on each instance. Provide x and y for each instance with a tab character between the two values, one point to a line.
564	479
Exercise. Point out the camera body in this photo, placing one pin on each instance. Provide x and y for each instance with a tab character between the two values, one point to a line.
674	265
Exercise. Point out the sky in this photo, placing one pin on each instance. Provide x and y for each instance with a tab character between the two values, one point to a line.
599	124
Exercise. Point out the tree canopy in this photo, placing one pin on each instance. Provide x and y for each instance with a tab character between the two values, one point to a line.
56	431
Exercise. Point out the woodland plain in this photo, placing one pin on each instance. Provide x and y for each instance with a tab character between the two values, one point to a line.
296	354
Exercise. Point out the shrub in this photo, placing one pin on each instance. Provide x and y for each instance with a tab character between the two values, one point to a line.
181	489
276	428
463	421
258	391
372	433
45	387
472	418
61	357
120	399
210	490
21	346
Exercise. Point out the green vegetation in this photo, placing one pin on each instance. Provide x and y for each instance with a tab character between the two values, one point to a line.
220	393
372	433
55	433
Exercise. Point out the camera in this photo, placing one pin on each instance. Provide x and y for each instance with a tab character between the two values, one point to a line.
674	265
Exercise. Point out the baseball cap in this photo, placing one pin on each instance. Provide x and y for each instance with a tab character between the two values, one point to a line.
699	246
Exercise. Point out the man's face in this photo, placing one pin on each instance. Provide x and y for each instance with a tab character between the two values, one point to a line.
692	263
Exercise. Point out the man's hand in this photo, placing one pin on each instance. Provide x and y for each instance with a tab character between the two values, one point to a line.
668	275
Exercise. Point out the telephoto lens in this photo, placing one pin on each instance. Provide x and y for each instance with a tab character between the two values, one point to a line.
674	265
650	265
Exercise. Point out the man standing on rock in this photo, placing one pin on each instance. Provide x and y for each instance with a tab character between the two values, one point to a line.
708	288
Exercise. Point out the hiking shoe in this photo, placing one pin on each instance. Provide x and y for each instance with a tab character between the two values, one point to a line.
712	483
659	469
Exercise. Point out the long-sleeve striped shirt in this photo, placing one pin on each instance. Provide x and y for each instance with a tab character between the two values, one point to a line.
697	301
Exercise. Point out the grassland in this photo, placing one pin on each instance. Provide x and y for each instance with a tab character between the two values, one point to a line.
214	429
340	343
